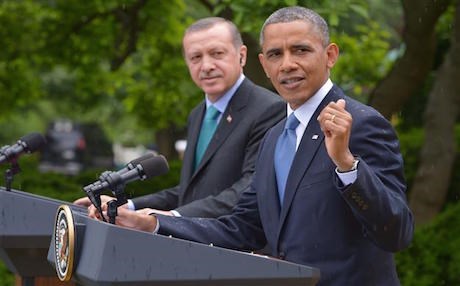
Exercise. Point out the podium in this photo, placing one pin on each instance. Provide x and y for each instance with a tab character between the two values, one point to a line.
106	254
26	226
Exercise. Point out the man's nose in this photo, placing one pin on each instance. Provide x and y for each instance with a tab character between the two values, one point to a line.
207	64
287	63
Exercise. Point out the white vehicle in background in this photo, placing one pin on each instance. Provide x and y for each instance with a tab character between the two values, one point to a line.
122	155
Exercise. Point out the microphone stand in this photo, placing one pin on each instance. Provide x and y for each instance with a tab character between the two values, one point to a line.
118	190
112	210
9	173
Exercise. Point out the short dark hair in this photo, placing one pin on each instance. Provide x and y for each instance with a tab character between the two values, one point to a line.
294	13
206	23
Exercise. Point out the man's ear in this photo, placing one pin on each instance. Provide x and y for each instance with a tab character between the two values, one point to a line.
262	63
243	55
332	51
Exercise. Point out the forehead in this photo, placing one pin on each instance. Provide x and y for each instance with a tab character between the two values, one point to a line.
290	33
216	36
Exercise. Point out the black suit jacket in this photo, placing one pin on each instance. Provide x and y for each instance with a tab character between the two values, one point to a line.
348	232
228	163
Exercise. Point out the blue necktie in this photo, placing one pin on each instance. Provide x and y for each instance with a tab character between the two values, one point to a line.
284	153
208	126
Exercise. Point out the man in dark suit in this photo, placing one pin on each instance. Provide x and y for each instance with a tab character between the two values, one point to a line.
343	208
210	187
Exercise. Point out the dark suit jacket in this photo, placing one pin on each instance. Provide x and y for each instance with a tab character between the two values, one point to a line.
228	163
348	232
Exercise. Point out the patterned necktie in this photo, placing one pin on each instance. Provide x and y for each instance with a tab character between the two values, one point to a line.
284	154
208	126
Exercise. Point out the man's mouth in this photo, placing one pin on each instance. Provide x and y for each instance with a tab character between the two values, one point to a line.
291	80
209	77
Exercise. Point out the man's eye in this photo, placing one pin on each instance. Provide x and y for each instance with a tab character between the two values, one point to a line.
273	55
195	58
302	50
217	54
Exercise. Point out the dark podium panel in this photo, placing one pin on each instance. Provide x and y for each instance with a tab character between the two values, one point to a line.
26	225
111	255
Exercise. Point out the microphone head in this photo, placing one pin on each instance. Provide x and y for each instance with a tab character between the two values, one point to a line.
154	166
32	142
138	160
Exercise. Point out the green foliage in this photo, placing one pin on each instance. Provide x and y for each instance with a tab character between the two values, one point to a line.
336	13
96	60
363	59
6	277
411	143
119	61
433	258
364	43
414	108
454	186
21	40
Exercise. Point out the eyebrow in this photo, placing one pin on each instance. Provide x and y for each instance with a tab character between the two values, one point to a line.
272	50
295	47
302	46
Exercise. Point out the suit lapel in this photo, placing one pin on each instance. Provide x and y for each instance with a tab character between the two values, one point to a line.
194	132
230	119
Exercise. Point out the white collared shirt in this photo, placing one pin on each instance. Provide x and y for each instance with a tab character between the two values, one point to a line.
306	110
304	114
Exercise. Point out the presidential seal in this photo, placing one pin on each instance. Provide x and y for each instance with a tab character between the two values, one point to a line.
64	242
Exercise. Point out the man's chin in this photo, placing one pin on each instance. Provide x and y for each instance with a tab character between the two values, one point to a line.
214	91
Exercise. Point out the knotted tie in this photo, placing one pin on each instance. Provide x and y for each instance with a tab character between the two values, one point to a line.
284	153
208	127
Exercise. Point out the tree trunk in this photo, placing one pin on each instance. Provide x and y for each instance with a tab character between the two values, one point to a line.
166	139
411	70
438	152
253	68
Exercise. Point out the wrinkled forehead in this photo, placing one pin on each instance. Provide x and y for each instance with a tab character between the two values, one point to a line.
316	25
289	34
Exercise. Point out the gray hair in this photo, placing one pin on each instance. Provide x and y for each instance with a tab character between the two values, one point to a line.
294	13
207	23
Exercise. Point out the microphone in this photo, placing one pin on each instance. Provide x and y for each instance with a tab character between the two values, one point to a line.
133	163
27	144
141	168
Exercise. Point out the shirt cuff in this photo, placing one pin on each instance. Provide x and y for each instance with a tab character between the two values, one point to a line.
157	227
130	205
175	213
348	177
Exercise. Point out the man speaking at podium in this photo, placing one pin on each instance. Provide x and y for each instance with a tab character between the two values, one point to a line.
329	189
224	131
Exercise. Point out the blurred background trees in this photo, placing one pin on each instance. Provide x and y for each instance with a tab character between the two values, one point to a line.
119	63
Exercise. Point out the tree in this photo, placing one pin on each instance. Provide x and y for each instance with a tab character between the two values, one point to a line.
118	58
410	70
431	182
